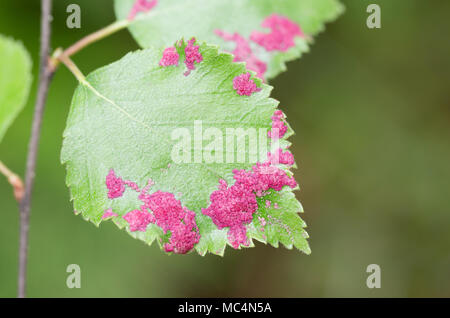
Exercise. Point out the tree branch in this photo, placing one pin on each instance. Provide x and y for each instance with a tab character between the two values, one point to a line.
45	77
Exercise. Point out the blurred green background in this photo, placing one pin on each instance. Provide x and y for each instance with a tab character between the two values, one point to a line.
371	109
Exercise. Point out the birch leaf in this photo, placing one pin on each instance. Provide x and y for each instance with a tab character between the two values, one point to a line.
124	161
263	33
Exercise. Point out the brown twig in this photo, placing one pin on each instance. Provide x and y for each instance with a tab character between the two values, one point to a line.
45	77
48	66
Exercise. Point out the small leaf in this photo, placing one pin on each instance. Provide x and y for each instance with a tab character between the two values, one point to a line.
263	33
15	80
125	124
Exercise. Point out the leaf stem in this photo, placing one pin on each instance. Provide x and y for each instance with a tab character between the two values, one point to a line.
14	180
98	35
45	77
87	40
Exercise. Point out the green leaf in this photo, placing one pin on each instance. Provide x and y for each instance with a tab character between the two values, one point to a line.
122	119
15	80
174	19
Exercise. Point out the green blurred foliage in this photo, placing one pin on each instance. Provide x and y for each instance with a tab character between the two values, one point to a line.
371	109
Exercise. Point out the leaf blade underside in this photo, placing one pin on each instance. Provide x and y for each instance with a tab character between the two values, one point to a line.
123	120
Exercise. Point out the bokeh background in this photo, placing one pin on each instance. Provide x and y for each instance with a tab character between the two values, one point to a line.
371	109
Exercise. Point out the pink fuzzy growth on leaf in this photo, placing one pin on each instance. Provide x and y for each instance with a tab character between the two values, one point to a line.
244	85
171	216
242	50
192	55
149	184
280	157
160	208
255	64
244	53
115	185
108	214
262	221
279	128
263	177
141	6
170	57
237	235
138	220
234	206
282	35
132	185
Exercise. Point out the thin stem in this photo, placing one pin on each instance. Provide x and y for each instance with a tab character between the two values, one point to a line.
45	77
89	39
94	37
14	180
